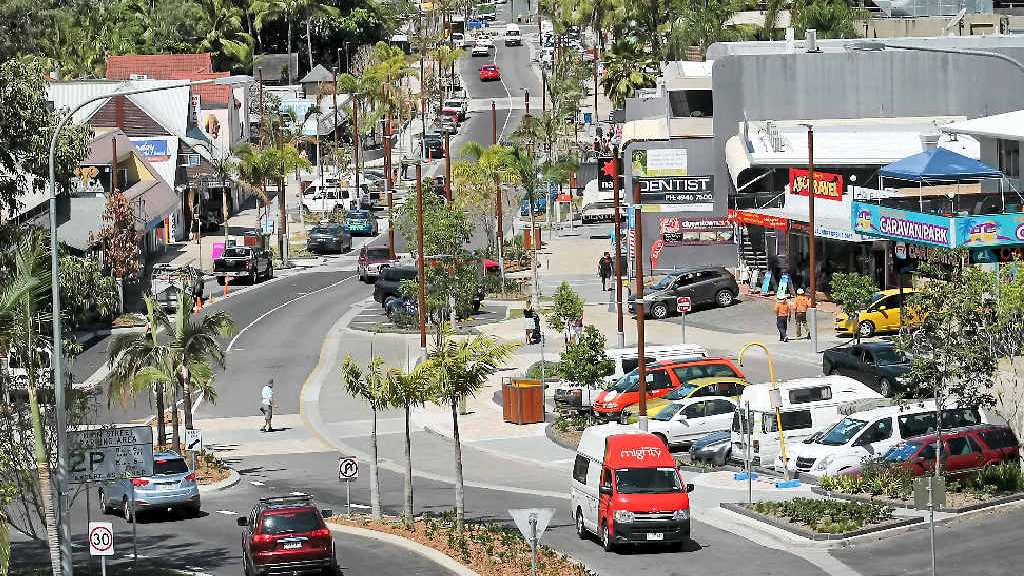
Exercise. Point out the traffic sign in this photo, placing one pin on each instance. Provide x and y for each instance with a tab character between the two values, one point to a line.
101	539
348	468
532	522
101	454
684	304
193	439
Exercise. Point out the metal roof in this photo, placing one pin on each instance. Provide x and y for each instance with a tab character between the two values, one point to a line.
1009	126
169	107
317	74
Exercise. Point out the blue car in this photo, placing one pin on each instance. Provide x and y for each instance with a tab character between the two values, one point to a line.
172	486
361	222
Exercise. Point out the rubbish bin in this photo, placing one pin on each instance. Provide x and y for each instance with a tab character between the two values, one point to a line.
522	400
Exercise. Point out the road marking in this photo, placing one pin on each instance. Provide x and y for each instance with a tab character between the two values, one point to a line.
227	512
363	506
508	94
256	483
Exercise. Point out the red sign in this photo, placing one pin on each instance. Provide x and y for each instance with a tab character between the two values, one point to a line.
565	197
826	185
758	219
683	304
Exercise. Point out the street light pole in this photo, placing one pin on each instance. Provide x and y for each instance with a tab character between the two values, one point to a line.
618	255
812	245
420	274
638	267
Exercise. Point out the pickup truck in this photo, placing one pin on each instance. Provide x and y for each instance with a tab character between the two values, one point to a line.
243	262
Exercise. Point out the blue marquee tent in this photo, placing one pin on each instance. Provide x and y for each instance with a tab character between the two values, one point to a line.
939	164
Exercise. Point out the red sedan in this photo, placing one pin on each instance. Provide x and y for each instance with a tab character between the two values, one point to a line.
490	72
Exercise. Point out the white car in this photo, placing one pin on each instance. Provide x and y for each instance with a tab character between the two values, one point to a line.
458	39
684	421
481	49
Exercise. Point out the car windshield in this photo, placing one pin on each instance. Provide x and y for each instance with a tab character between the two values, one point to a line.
842	432
168	466
681	392
358	215
647	481
452	104
627	383
236	252
885	356
324	230
875	298
378	253
291	522
668	412
901	452
664	283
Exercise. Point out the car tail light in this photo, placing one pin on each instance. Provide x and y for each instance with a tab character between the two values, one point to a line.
139	482
191	477
263	542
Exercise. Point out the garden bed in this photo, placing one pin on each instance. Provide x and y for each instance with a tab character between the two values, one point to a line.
210	470
823	519
956	502
489	549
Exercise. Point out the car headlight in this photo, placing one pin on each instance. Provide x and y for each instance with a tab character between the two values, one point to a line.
823	463
608	405
680	515
623	517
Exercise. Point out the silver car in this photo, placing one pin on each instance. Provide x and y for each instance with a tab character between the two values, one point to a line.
172	486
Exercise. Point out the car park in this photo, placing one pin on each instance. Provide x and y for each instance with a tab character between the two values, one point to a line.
328	237
372	260
725	383
361	222
883	314
877	364
626	489
806	406
712	449
705	285
171	487
870	433
965	451
490	72
286	535
683	421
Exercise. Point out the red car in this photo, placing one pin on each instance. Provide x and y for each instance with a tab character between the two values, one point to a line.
964	450
287	535
490	72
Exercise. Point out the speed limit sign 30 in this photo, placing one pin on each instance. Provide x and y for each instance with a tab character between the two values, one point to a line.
101	539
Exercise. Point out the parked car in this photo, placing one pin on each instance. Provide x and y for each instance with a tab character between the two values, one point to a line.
705	285
683	421
964	451
882	315
395	307
869	433
361	222
490	72
458	39
447	125
433	145
713	449
877	364
328	237
389	281
171	487
456	106
662	378
626	489
695	386
287	535
247	262
372	260
327	199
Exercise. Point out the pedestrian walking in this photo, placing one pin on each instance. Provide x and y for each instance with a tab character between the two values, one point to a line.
528	321
267	406
604	270
800	305
782	313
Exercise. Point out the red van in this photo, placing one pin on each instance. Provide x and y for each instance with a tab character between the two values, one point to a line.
663	377
627	490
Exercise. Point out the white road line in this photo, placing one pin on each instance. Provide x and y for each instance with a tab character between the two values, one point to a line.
508	94
227	512
256	483
363	506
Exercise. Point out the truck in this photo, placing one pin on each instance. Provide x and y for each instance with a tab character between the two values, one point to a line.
250	262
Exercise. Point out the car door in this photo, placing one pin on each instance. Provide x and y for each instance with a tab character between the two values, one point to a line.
604	500
960	456
887	311
689	421
848	362
705	286
719	415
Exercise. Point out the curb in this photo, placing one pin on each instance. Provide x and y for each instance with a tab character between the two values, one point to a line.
232	479
910	506
818	536
550	433
434	556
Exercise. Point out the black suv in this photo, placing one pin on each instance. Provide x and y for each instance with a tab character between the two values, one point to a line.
706	285
389	282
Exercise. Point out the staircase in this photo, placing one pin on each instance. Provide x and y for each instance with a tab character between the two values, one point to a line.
752	254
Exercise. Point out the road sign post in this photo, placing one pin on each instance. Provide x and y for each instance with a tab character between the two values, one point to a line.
103	454
531	523
683	305
348	472
193	443
101	542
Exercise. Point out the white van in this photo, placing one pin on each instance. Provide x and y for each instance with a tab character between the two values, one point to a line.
317	198
871	433
807	405
513	37
572	396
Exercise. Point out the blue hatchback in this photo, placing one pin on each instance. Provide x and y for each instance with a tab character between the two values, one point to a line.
361	222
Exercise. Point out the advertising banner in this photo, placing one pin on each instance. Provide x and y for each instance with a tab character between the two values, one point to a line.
990	230
152	149
827	186
659	162
880	222
758	219
687	193
695	231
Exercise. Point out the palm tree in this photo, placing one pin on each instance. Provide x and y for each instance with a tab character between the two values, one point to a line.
627	69
293	10
222	20
701	24
284	160
457	369
413	389
376	386
830	18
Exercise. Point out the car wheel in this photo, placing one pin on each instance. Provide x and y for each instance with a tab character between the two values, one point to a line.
832	371
104	505
724	298
659	310
221	280
663	438
126	511
866	328
885	387
581	530
606	538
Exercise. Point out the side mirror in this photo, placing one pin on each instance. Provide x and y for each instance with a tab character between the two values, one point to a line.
326	512
605	489
689	488
882	308
242	521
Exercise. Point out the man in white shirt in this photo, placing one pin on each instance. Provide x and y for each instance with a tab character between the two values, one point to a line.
267	405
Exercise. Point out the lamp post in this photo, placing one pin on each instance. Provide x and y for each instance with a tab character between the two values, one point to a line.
67	567
775	387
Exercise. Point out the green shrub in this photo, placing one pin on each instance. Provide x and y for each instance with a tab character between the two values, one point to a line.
551	370
571	422
1002	477
826	516
842	483
877	477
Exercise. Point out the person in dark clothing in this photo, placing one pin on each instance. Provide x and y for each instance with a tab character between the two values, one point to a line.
604	270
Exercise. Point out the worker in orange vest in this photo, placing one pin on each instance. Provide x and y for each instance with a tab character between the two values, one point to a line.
782	312
800	305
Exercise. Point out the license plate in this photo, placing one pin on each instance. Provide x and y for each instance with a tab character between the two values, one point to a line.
656	537
294	545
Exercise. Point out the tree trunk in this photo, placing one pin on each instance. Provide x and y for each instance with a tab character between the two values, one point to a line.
460	504
407	512
282	230
175	436
43	472
309	45
186	385
374	476
161	427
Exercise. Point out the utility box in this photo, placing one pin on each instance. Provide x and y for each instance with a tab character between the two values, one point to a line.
531	237
522	400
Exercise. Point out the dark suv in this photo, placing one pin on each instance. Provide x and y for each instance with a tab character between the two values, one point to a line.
287	535
390	281
707	285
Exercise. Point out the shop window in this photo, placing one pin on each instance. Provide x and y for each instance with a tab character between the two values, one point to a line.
1009	157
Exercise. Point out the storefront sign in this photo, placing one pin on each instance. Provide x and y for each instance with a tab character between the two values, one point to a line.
758	219
695	232
827	186
874	220
990	230
154	149
606	174
694	193
659	162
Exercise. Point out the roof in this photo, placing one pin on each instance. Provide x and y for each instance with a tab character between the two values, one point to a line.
650	351
844	389
158	66
882	411
101	148
939	164
720	50
168	107
317	74
1009	126
593	440
159	200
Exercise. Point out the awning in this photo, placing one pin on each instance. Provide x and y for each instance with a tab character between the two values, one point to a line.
939	164
736	158
1009	126
158	202
831	218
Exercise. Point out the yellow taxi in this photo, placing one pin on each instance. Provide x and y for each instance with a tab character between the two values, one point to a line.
882	315
708	386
